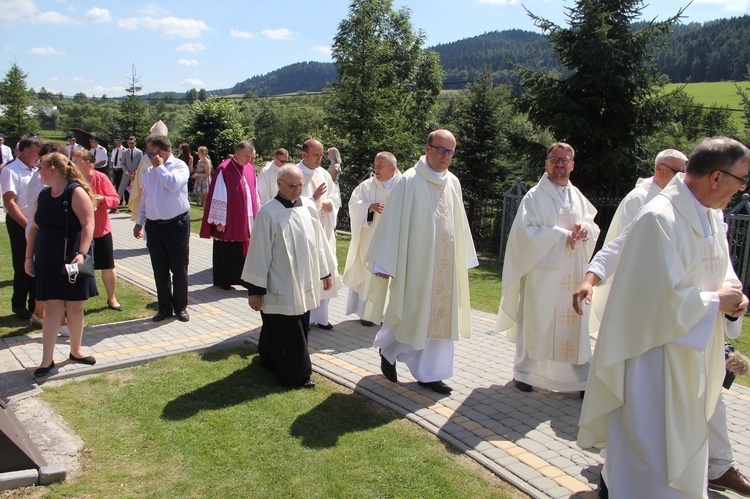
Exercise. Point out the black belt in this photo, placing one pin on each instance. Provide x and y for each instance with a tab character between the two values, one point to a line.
161	222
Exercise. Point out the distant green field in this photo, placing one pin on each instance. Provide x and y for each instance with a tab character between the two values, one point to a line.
721	93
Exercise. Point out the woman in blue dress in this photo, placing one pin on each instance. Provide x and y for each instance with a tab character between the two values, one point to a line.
62	232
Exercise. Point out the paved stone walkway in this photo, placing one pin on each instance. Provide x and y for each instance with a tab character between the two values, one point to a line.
526	439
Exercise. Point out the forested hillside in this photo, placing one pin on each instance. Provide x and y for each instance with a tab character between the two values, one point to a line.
715	51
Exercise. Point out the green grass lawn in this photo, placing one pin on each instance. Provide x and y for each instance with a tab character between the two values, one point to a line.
217	425
135	302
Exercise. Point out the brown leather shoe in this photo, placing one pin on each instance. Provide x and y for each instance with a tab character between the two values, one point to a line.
732	480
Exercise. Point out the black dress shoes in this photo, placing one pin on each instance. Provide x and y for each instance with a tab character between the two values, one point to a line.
388	369
22	313
436	386
524	387
183	316
366	323
43	371
328	326
88	360
227	287
602	491
308	383
160	316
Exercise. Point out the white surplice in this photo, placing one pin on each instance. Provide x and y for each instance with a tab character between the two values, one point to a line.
356	275
540	273
428	255
650	394
266	182
288	257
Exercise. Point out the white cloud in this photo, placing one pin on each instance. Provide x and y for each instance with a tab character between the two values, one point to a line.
153	10
187	62
193	48
499	2
192	82
54	78
323	49
278	34
101	90
81	79
15	11
52	18
733	6
46	51
241	34
98	15
169	26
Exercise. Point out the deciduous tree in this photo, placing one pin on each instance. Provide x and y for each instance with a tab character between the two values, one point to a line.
388	85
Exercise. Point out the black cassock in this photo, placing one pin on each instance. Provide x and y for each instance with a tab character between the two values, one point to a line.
283	347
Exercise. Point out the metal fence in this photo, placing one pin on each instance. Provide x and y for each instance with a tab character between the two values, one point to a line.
738	220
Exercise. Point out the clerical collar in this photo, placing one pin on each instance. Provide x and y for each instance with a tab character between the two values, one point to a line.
440	175
288	204
562	190
703	216
305	169
388	183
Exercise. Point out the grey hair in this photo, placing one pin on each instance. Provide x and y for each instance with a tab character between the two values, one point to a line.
389	156
669	153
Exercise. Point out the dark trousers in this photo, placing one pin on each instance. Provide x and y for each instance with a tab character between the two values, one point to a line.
282	347
23	283
169	246
117	174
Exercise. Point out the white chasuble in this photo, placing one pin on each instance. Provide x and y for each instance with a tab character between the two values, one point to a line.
362	283
314	179
288	257
540	273
424	242
650	395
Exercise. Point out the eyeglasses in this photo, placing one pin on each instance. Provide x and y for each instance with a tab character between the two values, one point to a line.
293	186
557	161
443	150
673	169
744	180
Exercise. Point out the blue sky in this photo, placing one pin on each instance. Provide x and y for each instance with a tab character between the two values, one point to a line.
90	46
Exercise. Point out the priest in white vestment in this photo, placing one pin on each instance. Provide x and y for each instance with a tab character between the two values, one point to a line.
722	473
552	238
267	176
320	188
427	257
659	362
366	205
287	270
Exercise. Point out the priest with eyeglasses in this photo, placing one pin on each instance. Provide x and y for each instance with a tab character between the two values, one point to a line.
552	238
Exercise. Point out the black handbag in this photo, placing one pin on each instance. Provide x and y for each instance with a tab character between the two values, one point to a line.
87	267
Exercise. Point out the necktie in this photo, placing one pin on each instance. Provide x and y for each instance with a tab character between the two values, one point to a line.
117	155
131	155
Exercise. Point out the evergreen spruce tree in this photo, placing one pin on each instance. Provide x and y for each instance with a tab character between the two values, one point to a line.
388	85
15	122
134	114
611	102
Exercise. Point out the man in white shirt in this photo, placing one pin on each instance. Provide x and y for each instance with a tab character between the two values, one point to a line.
163	209
100	155
131	158
116	157
6	155
14	180
72	145
267	186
